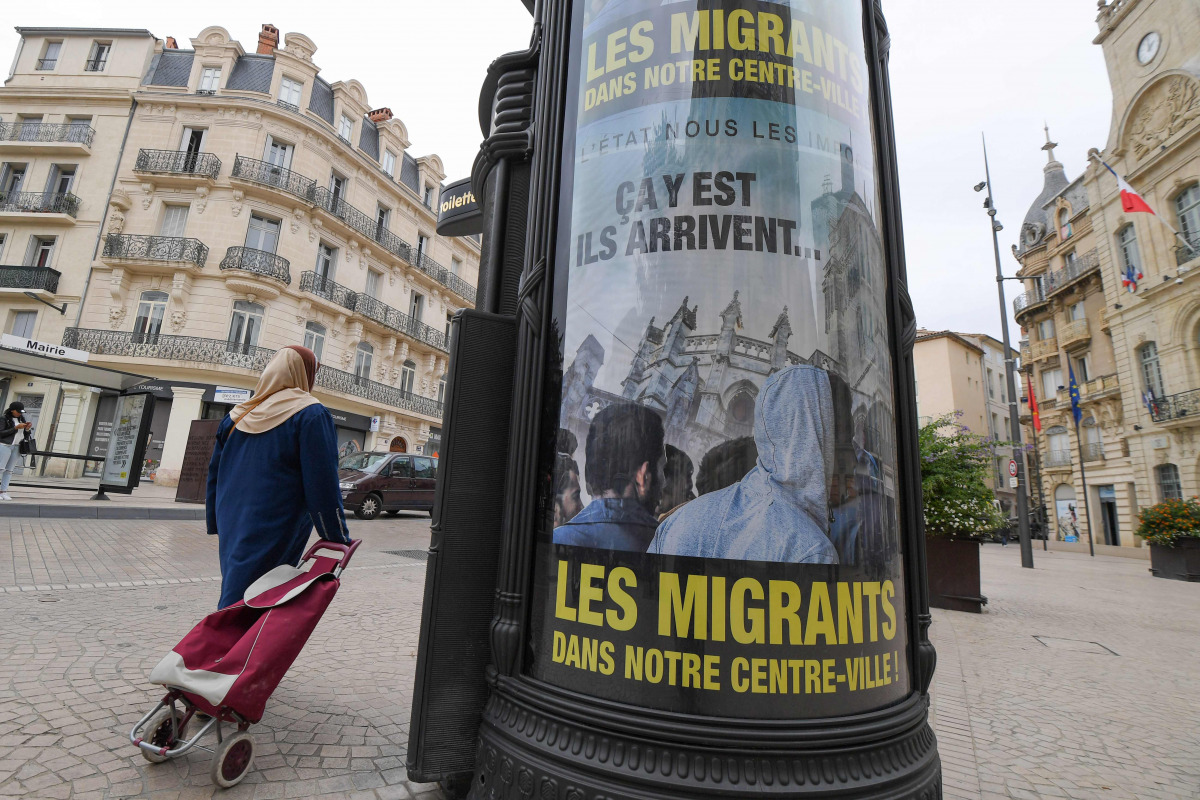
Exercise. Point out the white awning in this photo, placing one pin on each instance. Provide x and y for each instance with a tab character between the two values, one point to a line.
59	369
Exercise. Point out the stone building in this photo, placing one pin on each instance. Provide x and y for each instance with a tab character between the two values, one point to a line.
254	204
1135	354
964	374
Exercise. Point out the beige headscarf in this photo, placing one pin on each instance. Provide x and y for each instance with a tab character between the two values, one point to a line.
282	390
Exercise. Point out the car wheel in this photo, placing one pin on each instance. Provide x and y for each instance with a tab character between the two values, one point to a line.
371	505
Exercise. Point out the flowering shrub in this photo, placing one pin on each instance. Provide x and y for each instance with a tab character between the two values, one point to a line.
1169	521
955	464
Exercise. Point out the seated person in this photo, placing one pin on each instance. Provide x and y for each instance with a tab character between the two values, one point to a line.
624	473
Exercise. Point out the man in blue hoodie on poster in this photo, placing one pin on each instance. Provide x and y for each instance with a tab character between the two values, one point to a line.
780	510
624	473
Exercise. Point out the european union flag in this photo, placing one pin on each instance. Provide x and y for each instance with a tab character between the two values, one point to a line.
1076	411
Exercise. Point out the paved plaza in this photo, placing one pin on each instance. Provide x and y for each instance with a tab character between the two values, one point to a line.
1080	680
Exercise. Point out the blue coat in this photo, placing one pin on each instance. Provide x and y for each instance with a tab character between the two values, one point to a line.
266	491
609	524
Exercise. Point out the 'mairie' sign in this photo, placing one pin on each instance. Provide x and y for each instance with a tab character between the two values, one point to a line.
42	348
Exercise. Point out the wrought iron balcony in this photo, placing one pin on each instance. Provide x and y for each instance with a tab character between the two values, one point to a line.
1058	458
1176	406
1093	451
1060	279
155	248
375	392
258	261
40	202
95	64
268	174
46	63
129	344
1186	252
373	308
75	133
460	287
336	205
178	162
31	278
326	288
1031	298
289	106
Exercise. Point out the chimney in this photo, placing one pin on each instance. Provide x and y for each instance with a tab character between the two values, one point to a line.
268	39
380	115
172	44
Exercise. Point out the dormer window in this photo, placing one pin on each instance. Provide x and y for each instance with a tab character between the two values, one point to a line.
1064	224
345	127
389	162
289	93
427	198
210	80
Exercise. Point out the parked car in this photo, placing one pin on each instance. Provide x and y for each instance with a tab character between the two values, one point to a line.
372	482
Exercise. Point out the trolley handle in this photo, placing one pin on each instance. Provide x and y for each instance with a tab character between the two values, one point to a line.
347	551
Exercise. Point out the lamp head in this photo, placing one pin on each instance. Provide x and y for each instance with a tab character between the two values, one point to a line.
979	186
997	227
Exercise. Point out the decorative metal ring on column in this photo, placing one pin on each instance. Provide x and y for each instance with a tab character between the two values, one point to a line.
258	261
713	248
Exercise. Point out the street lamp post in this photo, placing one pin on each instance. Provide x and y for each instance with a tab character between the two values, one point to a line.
1009	373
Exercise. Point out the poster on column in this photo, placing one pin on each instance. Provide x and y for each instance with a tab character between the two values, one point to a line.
719	531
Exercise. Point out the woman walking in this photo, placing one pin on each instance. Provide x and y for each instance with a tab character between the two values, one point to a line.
10	448
273	475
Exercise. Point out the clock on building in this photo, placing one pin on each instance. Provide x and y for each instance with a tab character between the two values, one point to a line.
1148	47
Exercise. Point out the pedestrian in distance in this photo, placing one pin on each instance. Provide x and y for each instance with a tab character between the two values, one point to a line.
10	448
273	475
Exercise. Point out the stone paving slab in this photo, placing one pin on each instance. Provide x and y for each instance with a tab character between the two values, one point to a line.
91	605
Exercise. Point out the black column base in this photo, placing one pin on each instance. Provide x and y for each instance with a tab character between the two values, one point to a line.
538	741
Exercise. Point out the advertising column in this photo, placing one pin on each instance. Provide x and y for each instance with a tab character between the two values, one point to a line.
722	539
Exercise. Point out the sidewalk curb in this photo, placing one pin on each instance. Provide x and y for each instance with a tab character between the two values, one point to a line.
40	511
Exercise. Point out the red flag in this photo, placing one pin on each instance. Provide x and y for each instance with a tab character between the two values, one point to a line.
1033	409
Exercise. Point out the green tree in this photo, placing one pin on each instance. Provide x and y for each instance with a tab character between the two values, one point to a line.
954	470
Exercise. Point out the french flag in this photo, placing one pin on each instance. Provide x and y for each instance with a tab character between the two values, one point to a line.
1131	277
1131	201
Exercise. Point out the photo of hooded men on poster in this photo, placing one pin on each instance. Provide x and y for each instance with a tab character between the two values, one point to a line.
724	473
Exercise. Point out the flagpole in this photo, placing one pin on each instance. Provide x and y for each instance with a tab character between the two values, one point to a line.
1041	493
1083	480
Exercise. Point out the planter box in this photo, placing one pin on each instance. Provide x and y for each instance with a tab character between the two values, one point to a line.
1180	563
953	567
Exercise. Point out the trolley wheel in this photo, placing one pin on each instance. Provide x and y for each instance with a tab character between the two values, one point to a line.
372	504
232	760
160	733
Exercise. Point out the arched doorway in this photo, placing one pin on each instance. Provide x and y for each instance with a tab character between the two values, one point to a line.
398	445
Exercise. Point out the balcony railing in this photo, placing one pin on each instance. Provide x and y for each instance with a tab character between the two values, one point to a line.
258	261
385	315
1186	252
268	174
1093	451
40	202
289	106
155	248
31	278
178	162
1045	348
44	132
325	287
46	63
1176	406
129	344
375	392
1058	458
1030	298
1072	332
95	64
1059	279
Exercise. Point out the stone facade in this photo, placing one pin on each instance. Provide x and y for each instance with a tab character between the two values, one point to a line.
253	205
1141	349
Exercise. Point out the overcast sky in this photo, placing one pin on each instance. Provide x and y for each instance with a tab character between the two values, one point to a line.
958	69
